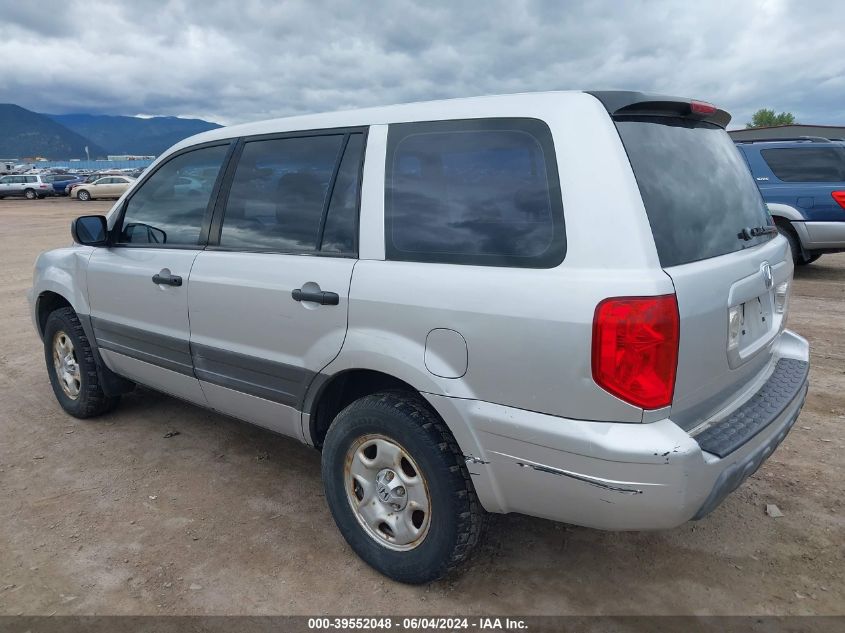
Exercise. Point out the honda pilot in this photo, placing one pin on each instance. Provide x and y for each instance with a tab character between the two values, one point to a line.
570	305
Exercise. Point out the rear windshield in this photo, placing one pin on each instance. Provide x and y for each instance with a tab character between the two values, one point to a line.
696	188
807	164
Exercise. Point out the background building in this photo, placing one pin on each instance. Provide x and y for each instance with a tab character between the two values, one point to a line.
789	131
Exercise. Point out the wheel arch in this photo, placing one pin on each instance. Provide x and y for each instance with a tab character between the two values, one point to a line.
329	395
47	302
785	212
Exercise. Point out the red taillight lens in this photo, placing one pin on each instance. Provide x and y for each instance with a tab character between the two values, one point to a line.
700	107
839	196
635	349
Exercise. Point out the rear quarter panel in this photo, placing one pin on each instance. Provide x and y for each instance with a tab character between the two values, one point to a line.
528	331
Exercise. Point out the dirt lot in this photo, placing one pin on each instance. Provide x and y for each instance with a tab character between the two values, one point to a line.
108	516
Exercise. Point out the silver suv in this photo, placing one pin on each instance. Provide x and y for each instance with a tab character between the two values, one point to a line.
569	305
29	186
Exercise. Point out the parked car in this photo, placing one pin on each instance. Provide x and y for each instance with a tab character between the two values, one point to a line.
803	182
108	187
29	186
89	178
567	305
61	182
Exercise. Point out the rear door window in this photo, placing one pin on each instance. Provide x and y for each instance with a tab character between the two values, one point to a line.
807	164
341	229
697	189
482	191
295	195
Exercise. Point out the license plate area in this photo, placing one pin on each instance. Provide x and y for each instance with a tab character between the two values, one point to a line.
757	328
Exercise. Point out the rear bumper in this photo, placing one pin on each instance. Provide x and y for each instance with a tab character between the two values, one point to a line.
820	235
605	475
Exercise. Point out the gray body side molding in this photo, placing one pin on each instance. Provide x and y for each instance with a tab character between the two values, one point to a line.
277	382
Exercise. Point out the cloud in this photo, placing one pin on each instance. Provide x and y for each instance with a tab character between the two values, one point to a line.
235	62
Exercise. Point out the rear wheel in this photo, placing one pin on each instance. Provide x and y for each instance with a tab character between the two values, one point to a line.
84	195
72	368
30	194
398	488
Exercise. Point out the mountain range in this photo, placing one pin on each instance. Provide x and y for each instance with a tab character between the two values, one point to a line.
24	133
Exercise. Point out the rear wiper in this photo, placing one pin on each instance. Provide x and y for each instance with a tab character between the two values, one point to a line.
749	233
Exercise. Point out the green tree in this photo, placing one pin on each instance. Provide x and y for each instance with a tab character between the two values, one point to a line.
767	118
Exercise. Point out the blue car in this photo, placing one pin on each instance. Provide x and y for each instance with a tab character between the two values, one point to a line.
803	183
60	182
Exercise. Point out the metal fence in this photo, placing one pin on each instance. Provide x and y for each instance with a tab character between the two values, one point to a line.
91	165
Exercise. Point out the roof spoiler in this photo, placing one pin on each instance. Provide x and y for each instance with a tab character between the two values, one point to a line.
624	103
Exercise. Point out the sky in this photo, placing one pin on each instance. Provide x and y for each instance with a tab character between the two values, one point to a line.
233	62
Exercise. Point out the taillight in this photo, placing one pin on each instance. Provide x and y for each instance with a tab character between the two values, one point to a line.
839	196
635	349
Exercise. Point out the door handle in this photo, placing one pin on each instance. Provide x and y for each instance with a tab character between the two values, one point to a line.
317	296
166	279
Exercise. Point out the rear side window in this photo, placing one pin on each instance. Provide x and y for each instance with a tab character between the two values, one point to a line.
279	193
482	191
163	213
807	164
697	189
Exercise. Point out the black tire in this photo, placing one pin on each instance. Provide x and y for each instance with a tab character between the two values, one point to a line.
30	194
90	401
456	517
83	195
809	259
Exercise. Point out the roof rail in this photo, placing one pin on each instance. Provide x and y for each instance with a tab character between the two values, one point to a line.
808	139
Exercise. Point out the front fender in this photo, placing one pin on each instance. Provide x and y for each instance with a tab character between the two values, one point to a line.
63	271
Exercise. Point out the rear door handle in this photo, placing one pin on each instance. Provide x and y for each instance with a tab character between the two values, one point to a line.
317	296
166	279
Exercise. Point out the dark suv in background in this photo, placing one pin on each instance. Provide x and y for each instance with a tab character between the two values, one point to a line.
803	183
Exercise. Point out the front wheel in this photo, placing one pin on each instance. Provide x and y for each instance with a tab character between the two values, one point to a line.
72	368
84	196
398	488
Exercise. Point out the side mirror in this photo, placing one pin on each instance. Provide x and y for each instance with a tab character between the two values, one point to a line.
90	230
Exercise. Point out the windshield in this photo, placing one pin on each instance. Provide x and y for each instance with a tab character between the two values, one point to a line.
698	192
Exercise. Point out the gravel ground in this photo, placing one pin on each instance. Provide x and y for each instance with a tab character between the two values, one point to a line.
108	516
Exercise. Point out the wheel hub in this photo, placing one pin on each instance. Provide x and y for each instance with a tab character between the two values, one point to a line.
387	492
66	365
390	490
